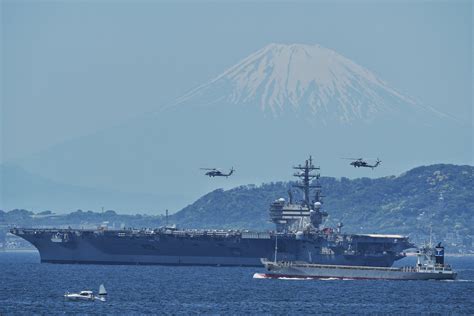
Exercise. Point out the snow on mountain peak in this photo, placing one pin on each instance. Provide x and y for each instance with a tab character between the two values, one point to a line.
301	77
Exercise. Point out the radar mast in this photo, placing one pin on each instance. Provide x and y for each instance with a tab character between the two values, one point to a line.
306	174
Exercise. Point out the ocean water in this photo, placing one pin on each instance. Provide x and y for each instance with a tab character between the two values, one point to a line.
29	287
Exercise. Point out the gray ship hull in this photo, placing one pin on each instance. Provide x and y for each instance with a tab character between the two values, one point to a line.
314	271
201	248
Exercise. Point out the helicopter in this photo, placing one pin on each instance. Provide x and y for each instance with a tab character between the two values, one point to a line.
360	162
214	172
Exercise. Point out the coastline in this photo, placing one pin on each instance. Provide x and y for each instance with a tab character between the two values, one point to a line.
19	250
458	255
455	255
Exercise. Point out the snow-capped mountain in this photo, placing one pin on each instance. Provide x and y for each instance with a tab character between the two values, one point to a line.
313	100
305	79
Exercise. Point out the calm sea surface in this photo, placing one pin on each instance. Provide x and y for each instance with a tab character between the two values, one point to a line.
28	287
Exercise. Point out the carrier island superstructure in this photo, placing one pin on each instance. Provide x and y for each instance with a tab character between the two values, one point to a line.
299	232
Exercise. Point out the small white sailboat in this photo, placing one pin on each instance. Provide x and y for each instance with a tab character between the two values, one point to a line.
87	295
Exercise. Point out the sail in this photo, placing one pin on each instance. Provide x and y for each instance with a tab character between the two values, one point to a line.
102	290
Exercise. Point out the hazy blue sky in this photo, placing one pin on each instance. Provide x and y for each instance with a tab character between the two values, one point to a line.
70	68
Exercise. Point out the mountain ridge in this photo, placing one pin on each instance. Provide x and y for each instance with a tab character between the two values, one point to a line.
24	190
161	152
300	76
437	195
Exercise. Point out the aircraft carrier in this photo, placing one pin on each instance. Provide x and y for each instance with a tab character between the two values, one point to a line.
299	231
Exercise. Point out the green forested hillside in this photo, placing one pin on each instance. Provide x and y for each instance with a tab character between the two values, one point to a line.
439	195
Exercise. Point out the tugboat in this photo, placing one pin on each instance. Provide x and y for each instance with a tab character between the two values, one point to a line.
430	266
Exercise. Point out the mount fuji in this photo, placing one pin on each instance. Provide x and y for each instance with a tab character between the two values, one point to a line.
307	80
260	116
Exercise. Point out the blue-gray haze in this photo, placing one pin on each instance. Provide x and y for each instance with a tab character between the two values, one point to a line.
83	85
